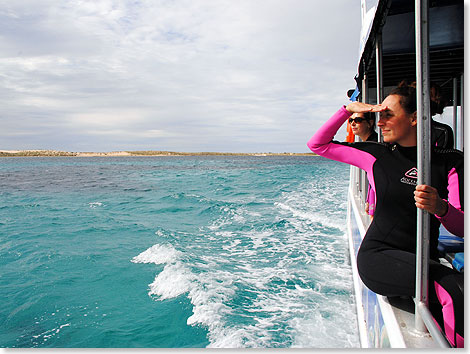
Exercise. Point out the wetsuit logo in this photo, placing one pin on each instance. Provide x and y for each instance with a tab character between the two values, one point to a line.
411	177
413	173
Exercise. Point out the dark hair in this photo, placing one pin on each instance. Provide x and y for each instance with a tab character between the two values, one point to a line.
407	93
370	116
438	101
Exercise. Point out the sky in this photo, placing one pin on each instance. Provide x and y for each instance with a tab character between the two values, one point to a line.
175	75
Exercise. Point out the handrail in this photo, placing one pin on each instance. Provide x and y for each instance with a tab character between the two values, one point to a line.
379	75
428	320
423	318
423	152
454	110
462	130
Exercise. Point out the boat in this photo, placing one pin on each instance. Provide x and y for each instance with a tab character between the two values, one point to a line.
390	51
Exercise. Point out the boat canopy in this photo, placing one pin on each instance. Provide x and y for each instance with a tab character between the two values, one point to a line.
394	20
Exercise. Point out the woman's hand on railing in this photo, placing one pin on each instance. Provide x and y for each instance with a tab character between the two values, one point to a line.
427	198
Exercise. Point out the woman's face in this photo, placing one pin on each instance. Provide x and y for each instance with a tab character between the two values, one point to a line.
396	124
361	129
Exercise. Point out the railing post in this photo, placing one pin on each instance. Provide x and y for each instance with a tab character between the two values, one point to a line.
424	155
379	74
454	110
462	130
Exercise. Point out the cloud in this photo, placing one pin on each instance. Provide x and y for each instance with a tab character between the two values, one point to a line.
174	75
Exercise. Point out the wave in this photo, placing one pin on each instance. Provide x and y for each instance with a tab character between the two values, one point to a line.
158	254
264	272
236	288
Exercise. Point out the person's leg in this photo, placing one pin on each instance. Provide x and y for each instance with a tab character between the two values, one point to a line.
392	272
446	287
388	272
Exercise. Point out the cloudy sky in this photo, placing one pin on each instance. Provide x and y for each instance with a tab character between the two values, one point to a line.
179	75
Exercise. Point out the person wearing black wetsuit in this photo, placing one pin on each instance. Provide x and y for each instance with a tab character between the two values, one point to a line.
442	135
387	256
363	126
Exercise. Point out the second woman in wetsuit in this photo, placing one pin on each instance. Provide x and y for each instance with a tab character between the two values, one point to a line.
363	126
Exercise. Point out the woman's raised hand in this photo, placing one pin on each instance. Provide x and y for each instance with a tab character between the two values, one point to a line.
360	107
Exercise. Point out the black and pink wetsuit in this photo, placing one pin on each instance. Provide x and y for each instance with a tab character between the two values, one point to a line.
387	256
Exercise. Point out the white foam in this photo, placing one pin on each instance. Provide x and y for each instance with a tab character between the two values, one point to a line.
174	280
258	238
51	332
229	217
314	216
264	287
158	254
209	297
212	292
325	328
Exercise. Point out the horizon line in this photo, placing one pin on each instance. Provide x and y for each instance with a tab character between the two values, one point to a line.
49	152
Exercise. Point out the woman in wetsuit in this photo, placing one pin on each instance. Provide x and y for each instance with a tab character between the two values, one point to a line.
387	256
363	126
442	135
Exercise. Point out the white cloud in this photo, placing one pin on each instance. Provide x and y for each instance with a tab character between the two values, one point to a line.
232	75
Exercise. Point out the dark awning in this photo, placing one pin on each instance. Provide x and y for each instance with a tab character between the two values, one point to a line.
396	20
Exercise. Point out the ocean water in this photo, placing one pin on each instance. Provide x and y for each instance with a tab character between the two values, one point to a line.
136	252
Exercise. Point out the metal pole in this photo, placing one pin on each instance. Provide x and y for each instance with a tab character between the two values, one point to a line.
365	89
424	154
433	329
461	130
454	110
379	75
365	99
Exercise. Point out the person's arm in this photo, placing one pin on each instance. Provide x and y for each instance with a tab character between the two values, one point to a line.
453	219
322	141
370	201
450	212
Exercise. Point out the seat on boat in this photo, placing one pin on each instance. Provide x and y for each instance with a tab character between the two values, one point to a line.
458	261
452	249
450	244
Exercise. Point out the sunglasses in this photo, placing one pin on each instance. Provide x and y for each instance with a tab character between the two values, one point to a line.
356	120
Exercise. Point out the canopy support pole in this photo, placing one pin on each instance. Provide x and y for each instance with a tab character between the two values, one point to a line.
454	110
461	130
379	75
423	318
424	155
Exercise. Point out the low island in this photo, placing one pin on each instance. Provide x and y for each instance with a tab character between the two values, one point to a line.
23	153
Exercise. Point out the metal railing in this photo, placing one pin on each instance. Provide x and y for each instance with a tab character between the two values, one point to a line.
423	318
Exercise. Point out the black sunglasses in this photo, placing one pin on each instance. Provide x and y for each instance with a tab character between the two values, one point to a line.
356	120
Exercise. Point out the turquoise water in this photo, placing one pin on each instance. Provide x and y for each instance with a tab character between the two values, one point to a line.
175	252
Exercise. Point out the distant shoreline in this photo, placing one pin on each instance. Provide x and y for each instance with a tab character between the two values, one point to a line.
52	153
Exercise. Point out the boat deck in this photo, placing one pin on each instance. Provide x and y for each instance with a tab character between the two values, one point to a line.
383	321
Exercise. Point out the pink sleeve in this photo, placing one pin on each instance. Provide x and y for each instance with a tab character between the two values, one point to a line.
321	144
453	220
371	200
327	131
